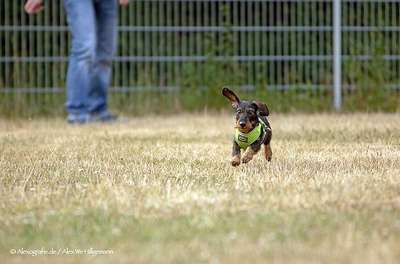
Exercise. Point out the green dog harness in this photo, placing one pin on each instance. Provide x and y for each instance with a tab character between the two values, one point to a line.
244	140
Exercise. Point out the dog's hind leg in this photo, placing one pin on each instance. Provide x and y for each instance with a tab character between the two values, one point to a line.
268	152
267	146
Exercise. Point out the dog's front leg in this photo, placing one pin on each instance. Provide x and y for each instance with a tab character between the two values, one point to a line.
250	152
235	154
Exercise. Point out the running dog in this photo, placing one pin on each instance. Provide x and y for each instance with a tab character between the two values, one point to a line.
252	129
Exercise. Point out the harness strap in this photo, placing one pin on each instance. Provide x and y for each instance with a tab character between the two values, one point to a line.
244	140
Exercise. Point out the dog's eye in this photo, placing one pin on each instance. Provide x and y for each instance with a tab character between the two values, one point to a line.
239	111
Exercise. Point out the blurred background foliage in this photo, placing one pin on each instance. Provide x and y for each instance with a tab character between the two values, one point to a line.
175	56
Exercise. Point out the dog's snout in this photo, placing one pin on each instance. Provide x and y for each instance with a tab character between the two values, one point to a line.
242	123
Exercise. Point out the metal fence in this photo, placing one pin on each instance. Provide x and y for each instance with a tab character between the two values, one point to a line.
167	44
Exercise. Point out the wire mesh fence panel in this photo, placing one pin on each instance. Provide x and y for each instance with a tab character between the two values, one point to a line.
371	33
173	45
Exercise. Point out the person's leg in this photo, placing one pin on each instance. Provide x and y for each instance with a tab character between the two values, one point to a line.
81	21
106	23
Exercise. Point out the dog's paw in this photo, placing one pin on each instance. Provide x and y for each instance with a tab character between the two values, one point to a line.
235	161
248	155
246	158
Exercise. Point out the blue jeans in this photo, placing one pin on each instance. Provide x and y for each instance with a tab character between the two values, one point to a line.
93	24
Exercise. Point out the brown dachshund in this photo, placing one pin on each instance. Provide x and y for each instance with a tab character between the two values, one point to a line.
252	129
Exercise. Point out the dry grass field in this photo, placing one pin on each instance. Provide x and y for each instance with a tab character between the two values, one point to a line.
161	190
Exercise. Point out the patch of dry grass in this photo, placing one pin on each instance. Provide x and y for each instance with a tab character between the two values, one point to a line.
161	189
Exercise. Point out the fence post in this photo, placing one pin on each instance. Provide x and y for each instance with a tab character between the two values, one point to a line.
337	56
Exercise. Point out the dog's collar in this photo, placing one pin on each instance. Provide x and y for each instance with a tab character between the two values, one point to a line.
244	140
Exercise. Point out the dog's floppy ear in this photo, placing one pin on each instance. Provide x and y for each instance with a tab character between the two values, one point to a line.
262	108
235	101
